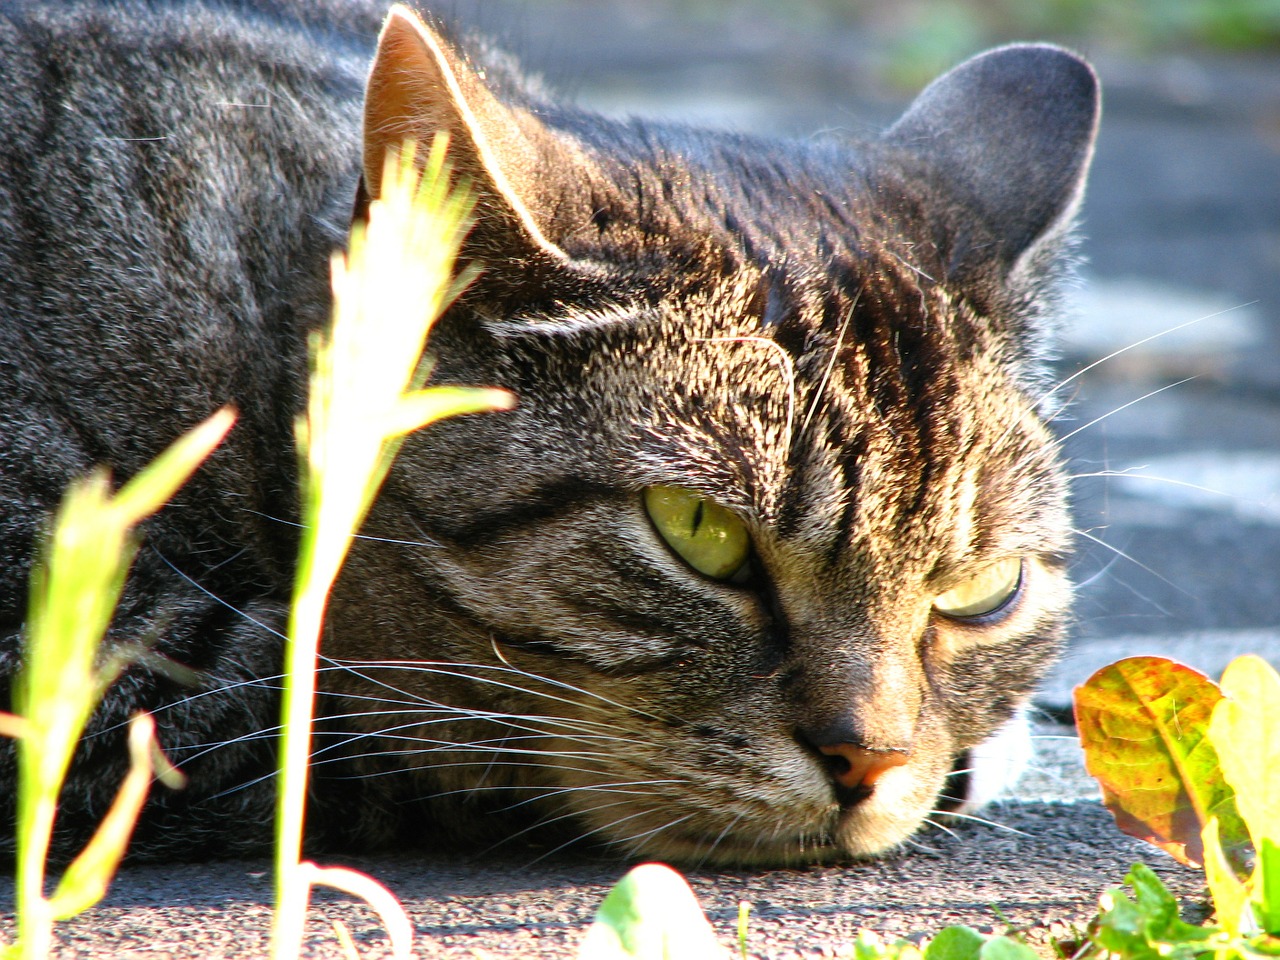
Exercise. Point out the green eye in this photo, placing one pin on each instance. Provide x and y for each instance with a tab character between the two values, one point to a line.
705	535
986	593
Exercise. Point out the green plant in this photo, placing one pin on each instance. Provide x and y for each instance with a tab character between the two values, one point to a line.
74	588
1194	768
366	393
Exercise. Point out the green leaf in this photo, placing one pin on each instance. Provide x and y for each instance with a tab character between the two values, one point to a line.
1006	948
650	915
1143	725
955	943
1266	886
1148	927
871	946
419	408
86	880
155	485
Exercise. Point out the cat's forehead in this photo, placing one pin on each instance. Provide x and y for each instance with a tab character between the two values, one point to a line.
824	404
759	200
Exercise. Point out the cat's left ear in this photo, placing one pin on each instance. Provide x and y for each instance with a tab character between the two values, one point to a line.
1011	133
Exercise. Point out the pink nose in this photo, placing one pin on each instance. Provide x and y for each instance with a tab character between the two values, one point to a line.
862	767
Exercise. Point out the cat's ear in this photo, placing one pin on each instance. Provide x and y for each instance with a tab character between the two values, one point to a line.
419	86
1011	133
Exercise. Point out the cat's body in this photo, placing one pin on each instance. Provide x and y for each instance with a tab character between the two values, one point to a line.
840	343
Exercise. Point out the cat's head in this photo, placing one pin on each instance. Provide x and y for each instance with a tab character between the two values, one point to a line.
776	532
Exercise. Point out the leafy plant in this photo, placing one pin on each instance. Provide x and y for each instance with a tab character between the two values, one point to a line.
366	393
1194	768
75	585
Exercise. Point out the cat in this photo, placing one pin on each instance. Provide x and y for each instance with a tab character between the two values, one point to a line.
772	542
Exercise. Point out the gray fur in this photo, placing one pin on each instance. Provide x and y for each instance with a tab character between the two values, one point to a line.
840	342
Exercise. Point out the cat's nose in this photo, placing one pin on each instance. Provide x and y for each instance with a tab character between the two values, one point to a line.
857	767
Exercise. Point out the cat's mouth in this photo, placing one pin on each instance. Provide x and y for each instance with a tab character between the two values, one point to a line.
836	824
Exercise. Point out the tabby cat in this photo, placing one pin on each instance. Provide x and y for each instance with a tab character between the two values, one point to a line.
774	538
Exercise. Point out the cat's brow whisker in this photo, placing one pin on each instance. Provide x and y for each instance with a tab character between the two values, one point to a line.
821	390
911	266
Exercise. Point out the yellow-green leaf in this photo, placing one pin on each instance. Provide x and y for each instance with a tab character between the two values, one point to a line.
155	485
1143	724
420	407
1230	895
1245	730
11	726
650	915
86	880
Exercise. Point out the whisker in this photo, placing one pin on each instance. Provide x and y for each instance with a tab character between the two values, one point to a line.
217	599
1102	543
1124	406
940	826
428	542
987	823
1133	346
542	823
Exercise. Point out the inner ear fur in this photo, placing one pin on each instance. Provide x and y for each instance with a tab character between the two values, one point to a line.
418	87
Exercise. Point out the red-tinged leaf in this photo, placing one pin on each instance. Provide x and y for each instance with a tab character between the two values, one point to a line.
1143	724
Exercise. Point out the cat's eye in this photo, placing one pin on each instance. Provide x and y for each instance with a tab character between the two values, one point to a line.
983	594
706	535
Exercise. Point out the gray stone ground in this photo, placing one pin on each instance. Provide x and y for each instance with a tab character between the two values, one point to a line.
1180	544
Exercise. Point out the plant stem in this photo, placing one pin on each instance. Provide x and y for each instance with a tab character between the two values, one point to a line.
36	811
293	884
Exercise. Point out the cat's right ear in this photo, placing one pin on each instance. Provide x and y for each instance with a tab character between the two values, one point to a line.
419	87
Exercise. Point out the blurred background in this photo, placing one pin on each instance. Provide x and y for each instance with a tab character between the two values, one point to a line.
1177	452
